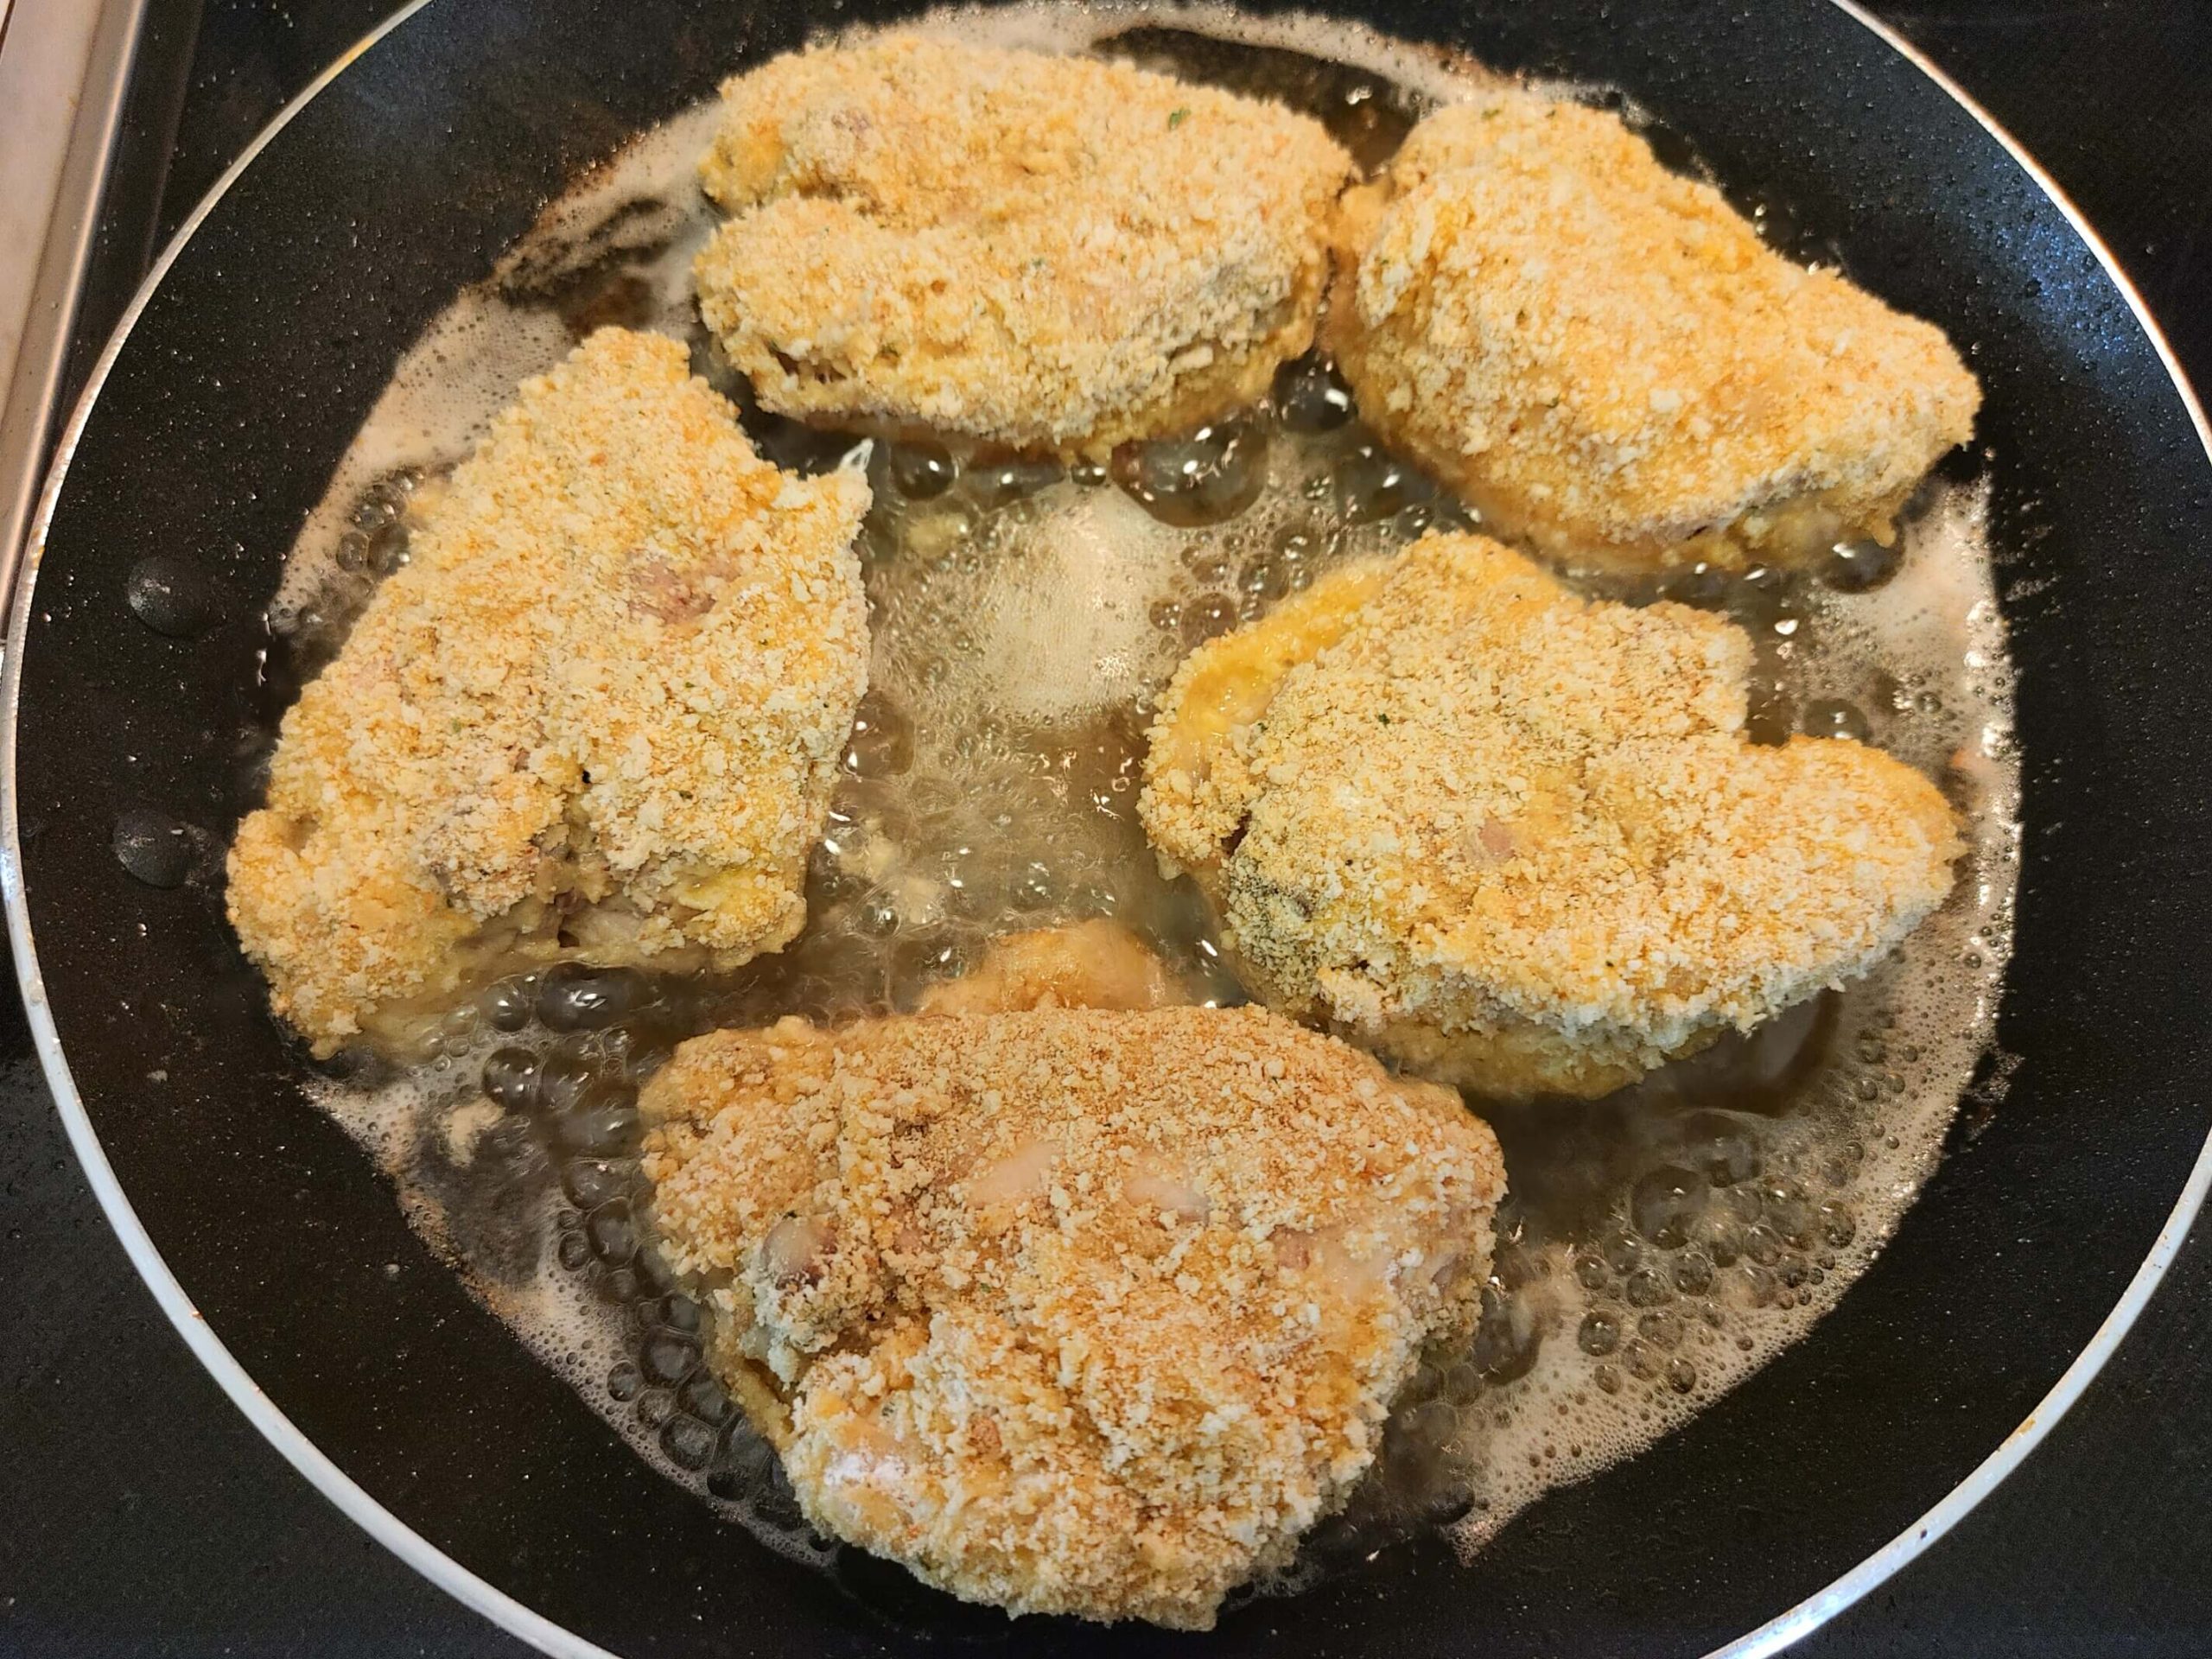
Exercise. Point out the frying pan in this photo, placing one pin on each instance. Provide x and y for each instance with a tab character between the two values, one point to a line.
138	656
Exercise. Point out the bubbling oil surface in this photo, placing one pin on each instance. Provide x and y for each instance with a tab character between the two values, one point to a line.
1657	1246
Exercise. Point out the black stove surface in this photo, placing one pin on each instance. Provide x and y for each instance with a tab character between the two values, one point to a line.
145	1517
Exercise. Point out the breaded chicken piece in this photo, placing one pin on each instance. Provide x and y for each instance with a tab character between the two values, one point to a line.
1071	1310
597	714
1052	253
1091	964
1602	356
1516	840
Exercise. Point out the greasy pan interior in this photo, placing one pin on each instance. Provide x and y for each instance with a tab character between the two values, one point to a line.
258	355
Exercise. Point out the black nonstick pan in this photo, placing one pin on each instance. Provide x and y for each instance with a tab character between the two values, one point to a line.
139	654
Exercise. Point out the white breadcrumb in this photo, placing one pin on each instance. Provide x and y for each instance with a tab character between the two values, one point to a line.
1516	840
1070	1310
1603	357
596	715
1048	252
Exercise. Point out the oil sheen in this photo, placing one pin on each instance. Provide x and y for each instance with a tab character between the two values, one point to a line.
1658	1246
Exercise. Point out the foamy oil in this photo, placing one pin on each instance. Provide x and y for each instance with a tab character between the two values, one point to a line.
1658	1245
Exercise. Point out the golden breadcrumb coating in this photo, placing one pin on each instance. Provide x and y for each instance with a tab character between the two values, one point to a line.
1092	964
1516	840
597	714
1600	355
1053	253
1070	1310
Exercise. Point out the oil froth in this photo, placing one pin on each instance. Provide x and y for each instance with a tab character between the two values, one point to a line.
1662	1244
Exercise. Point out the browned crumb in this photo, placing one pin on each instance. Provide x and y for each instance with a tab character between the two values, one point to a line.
1093	964
1602	356
597	714
1070	1310
1516	840
1049	252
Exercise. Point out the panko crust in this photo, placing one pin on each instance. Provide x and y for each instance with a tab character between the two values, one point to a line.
1516	840
597	714
1071	1310
1046	252
1603	357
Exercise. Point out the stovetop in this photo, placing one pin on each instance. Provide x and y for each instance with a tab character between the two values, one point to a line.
145	1517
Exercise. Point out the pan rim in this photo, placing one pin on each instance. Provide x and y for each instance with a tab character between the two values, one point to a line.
19	569
19	574
1815	1609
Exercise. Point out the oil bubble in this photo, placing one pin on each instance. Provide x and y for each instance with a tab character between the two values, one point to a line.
1833	717
613	1236
688	1443
154	848
995	484
1373	483
509	1078
667	1359
923	471
1861	567
1310	396
573	997
1206	477
1599	1333
170	596
1665	1202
